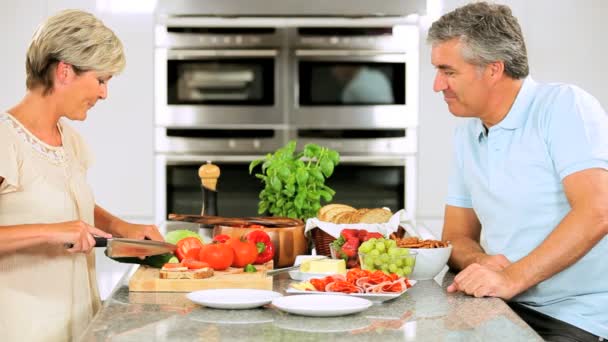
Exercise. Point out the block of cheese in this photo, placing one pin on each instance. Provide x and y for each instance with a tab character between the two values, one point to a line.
332	266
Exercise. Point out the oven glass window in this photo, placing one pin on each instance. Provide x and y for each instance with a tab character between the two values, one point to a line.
237	190
351	83
221	82
362	186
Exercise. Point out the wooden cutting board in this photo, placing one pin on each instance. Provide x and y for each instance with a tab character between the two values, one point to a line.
147	279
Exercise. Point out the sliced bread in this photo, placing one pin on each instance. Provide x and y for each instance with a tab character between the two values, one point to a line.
200	273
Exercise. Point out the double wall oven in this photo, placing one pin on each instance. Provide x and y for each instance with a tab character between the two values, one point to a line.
232	90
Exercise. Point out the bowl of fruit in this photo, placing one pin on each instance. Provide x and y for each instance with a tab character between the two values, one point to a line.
383	254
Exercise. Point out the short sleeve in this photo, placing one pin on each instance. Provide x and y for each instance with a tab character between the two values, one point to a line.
10	163
78	145
577	132
458	193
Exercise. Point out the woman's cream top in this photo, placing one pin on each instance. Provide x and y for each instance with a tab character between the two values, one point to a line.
46	293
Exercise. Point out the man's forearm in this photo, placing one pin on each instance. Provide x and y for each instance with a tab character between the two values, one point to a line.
574	237
465	252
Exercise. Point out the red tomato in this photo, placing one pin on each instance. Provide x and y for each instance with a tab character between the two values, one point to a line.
173	265
245	252
194	264
221	238
219	256
188	247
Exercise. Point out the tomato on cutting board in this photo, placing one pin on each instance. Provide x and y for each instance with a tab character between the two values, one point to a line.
194	264
189	247
245	252
219	256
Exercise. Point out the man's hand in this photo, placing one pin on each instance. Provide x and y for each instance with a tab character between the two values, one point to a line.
485	281
496	262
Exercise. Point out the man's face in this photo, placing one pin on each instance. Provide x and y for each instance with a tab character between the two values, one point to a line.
465	86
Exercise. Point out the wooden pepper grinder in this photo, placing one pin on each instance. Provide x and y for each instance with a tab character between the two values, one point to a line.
209	174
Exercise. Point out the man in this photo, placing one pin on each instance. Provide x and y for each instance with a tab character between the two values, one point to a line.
529	179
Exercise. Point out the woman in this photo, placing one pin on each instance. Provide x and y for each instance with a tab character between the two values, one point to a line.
48	292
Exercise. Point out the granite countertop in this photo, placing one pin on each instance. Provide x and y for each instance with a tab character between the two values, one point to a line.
426	312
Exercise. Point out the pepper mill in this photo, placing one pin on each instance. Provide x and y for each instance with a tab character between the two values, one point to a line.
209	174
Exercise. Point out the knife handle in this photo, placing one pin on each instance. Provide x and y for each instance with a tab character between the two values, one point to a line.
100	241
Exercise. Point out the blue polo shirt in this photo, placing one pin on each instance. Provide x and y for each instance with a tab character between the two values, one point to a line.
512	177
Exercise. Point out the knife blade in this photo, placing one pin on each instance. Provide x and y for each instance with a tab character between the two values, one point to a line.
120	247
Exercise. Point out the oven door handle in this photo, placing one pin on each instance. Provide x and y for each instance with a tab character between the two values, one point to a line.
351	55
198	158
192	54
352	160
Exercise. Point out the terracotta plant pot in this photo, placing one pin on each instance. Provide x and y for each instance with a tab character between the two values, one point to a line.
289	242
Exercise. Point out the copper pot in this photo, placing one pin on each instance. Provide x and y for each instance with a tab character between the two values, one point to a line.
288	242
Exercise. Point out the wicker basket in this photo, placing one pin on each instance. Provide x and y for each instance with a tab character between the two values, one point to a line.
321	241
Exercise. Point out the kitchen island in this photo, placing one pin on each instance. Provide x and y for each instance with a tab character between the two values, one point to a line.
426	312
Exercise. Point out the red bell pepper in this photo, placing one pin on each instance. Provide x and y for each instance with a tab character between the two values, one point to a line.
263	244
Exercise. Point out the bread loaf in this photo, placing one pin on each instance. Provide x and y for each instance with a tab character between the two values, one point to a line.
345	214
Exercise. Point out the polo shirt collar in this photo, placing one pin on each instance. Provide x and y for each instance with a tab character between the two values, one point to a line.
518	113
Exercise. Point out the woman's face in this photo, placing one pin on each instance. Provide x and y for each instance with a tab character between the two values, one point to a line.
83	92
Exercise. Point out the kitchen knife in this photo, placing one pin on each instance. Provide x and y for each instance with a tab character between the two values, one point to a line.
240	221
120	247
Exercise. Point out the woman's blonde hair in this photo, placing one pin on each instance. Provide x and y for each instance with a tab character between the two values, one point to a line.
74	37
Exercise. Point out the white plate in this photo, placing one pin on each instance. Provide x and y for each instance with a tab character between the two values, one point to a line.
321	305
233	298
374	297
304	276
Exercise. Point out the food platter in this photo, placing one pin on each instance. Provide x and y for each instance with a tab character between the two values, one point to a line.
373	297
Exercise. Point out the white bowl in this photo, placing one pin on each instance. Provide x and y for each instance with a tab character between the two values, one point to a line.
430	261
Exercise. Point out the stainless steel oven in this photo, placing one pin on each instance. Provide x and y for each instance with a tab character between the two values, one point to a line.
354	77
213	76
231	90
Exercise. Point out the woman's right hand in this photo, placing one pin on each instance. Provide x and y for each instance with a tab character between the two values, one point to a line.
77	234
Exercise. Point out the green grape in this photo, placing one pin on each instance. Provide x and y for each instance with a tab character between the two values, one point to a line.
393	252
366	247
399	272
393	268
399	262
378	262
409	261
372	241
404	251
384	268
374	252
385	258
388	243
380	247
369	261
407	270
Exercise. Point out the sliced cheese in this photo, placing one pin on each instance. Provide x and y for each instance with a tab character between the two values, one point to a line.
304	286
333	266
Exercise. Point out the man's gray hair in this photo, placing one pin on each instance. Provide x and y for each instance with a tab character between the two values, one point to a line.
488	32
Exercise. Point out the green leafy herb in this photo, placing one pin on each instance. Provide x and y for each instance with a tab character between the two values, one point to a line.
294	183
250	268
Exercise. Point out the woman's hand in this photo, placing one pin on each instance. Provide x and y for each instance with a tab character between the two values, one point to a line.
139	231
78	234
